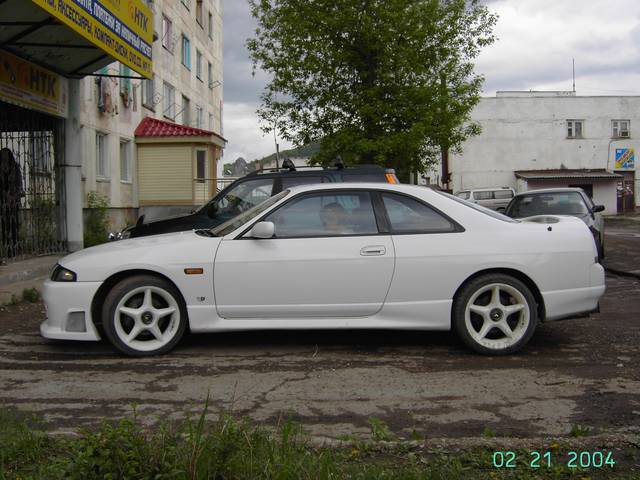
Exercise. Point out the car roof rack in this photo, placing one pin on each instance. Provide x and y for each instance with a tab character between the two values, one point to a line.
287	167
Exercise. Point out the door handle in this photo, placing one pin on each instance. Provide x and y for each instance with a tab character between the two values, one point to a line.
373	250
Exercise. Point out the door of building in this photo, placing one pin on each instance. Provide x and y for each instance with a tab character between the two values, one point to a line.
32	213
625	190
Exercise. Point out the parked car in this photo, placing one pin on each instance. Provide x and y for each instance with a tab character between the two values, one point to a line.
251	190
496	198
561	201
333	256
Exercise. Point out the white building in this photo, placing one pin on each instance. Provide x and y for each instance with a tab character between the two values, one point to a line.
186	89
540	139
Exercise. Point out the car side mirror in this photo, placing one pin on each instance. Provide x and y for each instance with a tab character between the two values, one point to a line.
598	208
263	230
212	210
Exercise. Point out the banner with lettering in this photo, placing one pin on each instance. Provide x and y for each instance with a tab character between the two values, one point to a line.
28	85
121	28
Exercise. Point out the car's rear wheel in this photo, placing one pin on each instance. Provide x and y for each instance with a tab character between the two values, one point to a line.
495	314
144	315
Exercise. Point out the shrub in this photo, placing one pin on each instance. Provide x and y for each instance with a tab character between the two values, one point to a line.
96	221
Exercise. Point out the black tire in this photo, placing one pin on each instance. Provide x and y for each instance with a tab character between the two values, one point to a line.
465	295
122	289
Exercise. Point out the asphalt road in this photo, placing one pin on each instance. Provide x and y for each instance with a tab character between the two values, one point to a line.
581	371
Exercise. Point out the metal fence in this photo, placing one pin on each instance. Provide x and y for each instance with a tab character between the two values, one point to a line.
32	220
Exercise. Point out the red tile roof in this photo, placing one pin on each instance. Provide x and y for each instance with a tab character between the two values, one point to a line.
152	127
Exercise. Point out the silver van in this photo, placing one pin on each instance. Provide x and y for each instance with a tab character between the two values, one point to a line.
496	198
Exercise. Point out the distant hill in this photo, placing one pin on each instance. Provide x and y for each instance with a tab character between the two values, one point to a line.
305	151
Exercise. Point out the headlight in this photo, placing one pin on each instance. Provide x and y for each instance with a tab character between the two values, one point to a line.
61	274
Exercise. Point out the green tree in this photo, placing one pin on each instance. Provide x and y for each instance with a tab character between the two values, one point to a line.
390	82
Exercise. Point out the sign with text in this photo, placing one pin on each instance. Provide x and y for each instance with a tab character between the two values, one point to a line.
121	28
625	158
30	86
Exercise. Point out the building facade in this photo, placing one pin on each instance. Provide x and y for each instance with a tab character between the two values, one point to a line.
544	139
186	89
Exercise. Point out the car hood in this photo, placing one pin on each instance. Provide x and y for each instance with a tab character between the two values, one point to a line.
156	253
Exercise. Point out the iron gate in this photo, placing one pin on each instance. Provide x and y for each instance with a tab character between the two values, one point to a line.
32	214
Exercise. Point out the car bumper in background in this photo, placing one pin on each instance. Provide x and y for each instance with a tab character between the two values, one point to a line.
68	307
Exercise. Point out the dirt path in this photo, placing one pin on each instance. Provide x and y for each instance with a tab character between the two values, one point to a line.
582	371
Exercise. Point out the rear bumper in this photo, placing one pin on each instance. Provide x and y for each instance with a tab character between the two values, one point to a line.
576	302
68	307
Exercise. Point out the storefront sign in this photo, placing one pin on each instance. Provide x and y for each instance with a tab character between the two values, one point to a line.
625	158
121	28
30	86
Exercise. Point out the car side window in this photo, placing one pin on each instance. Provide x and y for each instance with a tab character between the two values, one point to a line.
244	196
488	195
325	214
407	215
502	194
288	182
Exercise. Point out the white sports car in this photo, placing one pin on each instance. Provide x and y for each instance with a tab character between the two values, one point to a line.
330	257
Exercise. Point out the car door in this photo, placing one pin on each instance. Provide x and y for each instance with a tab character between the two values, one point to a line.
326	259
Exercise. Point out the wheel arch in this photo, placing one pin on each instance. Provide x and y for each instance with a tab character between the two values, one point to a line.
524	278
113	280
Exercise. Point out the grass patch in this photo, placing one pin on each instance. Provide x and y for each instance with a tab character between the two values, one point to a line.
231	448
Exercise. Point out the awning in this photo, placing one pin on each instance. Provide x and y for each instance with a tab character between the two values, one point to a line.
78	37
152	130
567	174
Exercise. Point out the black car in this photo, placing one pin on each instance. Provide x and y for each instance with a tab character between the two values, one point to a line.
252	189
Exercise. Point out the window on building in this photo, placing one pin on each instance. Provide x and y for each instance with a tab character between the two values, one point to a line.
102	159
199	65
200	12
186	51
210	25
620	128
211	122
169	101
210	74
575	128
149	93
199	117
125	161
125	85
167	33
186	111
201	165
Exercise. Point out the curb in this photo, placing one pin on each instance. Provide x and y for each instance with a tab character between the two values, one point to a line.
622	273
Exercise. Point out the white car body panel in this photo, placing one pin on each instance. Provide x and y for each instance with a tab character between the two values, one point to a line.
313	283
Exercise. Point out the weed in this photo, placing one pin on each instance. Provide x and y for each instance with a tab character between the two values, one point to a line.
578	430
488	432
380	430
31	295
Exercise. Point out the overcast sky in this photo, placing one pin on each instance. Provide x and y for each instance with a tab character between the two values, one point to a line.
536	41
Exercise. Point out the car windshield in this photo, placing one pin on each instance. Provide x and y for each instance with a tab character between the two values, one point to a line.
548	203
479	208
230	225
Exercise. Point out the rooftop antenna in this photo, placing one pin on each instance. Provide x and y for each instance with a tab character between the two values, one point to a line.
574	75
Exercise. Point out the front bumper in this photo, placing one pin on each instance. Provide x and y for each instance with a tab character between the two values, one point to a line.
68	307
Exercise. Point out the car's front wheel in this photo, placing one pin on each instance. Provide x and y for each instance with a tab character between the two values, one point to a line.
144	315
495	314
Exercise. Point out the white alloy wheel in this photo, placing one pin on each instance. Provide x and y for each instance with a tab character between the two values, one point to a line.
144	315
147	318
495	314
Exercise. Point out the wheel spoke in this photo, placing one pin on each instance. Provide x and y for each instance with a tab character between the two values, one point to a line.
147	302
130	312
495	296
480	310
486	328
155	331
509	309
163	312
135	331
505	328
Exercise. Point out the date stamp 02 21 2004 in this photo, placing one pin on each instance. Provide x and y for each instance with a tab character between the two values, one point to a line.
573	459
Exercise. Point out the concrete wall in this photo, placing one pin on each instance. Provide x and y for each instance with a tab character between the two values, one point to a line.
528	131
